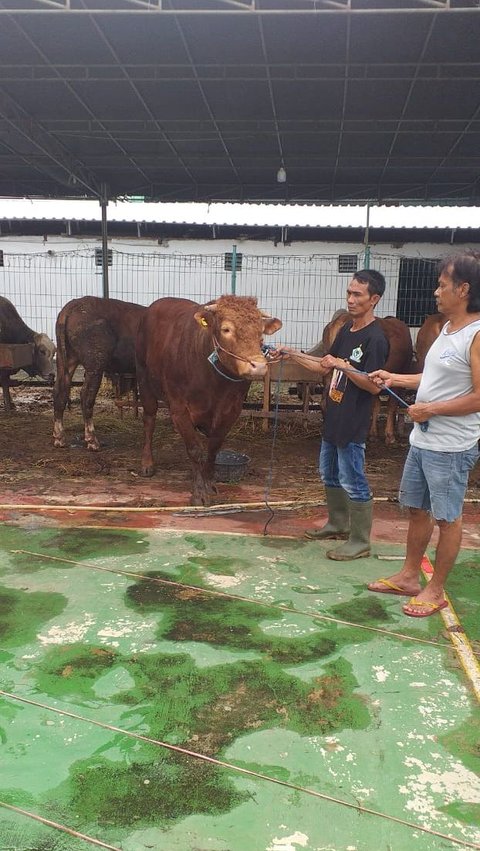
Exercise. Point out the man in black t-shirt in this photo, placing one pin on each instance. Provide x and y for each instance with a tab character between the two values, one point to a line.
359	344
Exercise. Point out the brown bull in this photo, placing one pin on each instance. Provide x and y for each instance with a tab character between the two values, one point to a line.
98	334
427	335
14	331
399	360
174	342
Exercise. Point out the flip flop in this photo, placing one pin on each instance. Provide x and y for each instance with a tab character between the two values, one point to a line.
390	588
423	604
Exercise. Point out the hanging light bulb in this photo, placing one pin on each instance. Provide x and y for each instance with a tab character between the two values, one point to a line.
281	175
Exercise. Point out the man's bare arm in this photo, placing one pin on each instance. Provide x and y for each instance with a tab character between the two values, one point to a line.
393	379
310	362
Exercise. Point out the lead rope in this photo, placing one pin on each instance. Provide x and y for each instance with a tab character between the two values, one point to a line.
268	483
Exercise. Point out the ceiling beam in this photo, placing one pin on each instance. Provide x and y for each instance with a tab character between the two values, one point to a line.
69	171
236	7
275	72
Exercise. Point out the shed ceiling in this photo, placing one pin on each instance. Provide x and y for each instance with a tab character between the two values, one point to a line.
206	99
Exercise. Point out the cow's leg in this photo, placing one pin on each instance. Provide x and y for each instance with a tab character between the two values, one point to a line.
195	445
149	416
375	415
7	399
390	421
149	403
88	394
61	395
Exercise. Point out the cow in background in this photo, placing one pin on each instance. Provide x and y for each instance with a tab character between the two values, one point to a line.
98	334
200	359
14	331
399	359
427	335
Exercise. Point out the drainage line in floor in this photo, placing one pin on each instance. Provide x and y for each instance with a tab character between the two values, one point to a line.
186	510
245	771
61	827
225	595
457	635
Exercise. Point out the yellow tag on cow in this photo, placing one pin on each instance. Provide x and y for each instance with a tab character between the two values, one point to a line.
204	322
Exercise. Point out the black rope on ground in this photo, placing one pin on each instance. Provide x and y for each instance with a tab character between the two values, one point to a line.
268	484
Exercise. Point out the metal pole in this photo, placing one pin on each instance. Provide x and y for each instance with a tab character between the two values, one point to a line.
234	269
366	261
104	205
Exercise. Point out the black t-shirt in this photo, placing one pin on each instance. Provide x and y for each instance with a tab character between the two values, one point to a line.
348	410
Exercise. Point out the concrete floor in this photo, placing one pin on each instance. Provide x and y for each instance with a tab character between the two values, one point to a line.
185	690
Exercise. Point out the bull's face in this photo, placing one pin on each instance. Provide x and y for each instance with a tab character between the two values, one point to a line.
43	355
237	328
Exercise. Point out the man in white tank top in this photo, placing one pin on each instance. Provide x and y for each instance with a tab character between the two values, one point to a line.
444	439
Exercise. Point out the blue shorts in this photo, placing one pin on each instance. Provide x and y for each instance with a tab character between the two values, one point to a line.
437	481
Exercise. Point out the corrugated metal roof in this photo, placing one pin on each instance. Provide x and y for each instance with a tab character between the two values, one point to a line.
209	100
260	215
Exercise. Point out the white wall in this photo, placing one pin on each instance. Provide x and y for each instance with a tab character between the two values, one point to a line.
299	283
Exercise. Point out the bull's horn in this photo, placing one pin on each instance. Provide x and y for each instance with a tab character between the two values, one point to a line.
211	306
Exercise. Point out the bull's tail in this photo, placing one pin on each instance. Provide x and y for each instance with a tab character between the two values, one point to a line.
61	336
61	391
60	332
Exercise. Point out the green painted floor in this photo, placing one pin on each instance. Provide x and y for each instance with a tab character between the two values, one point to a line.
341	725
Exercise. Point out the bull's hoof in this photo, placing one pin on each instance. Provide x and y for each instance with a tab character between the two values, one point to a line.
389	440
203	501
147	472
93	446
59	443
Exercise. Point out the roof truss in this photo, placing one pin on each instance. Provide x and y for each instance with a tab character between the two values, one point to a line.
208	99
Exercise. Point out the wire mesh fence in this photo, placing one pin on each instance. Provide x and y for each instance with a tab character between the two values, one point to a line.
301	290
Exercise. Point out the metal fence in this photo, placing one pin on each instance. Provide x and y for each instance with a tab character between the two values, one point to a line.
303	291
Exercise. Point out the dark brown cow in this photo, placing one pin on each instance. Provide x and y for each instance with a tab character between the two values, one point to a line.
174	342
100	335
399	360
14	331
427	335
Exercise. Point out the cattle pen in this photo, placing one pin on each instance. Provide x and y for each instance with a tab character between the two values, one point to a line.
179	678
184	664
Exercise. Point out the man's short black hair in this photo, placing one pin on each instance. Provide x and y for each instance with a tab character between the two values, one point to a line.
464	268
374	280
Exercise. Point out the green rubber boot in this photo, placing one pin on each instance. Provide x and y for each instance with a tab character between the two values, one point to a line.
338	522
358	544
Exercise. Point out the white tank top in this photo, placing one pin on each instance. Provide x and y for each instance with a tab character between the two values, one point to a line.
447	375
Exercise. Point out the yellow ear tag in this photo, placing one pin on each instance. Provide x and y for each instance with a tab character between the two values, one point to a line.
203	322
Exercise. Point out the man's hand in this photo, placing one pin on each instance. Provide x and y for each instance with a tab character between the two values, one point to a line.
329	362
381	377
420	412
274	355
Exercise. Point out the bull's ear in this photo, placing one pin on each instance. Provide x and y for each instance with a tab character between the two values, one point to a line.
270	325
204	315
201	316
